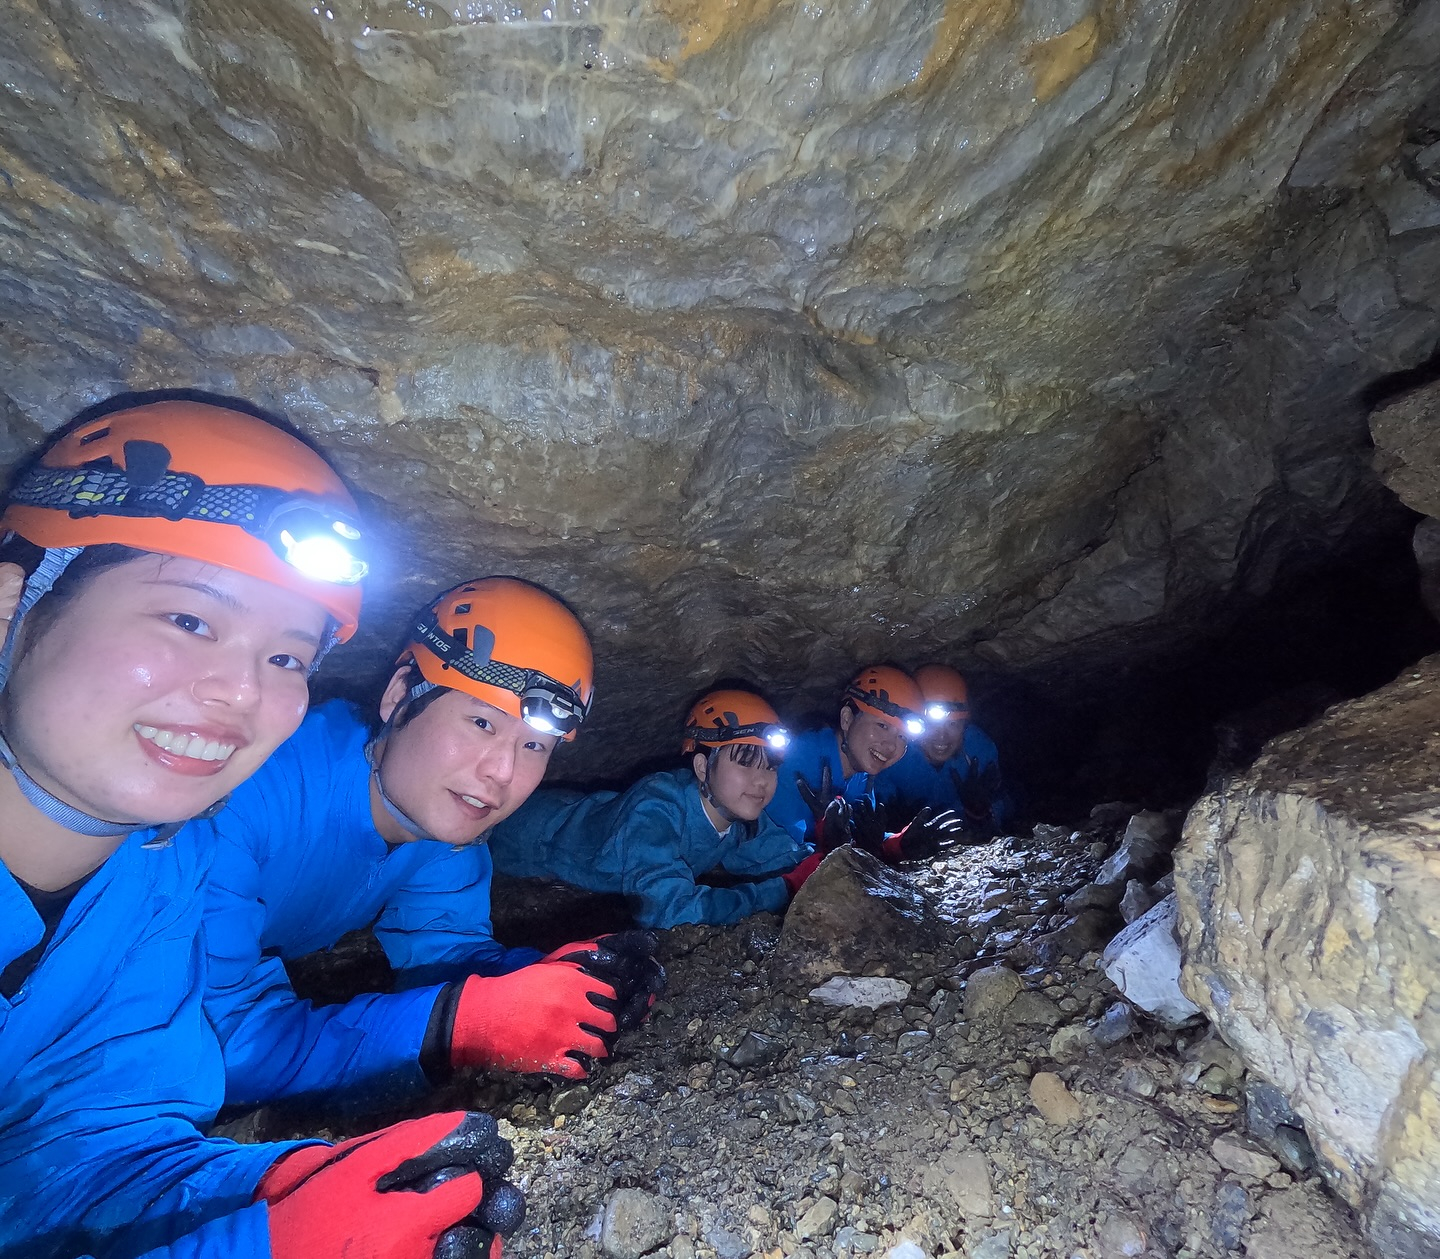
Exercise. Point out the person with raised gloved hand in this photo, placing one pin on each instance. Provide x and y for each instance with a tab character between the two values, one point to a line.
349	825
656	842
958	767
879	712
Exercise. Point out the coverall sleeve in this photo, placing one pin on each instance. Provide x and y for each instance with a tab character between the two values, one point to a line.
436	927
278	1046
772	851
656	874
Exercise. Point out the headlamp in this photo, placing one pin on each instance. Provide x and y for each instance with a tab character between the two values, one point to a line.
316	542
909	722
774	737
939	710
549	707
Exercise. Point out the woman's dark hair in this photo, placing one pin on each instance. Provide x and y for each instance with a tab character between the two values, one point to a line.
747	754
92	561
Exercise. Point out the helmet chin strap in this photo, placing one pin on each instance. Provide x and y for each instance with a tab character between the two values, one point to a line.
372	755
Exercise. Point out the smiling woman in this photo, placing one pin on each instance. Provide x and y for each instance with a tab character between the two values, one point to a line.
176	616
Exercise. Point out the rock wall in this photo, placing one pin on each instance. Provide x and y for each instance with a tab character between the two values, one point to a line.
773	334
1309	895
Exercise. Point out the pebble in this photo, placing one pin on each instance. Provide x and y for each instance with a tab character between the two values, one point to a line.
1034	1009
1120	1237
681	1247
569	1101
1071	1044
1116	1024
989	991
996	1246
1135	1079
1292	1147
634	1222
755	1050
1244	1157
1055	1102
871	992
819	1220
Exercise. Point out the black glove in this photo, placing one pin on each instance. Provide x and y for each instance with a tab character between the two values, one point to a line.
476	1145
924	837
867	825
976	791
834	828
626	961
899	810
816	801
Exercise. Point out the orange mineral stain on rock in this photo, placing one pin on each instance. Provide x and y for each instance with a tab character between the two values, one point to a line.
964	24
707	22
1056	63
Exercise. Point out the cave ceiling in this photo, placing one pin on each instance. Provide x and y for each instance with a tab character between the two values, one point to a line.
772	334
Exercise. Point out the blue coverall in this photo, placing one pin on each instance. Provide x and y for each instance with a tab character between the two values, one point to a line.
807	755
109	1069
299	863
651	843
916	781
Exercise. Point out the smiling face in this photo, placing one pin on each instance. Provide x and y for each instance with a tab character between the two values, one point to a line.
869	741
458	767
159	687
942	739
742	789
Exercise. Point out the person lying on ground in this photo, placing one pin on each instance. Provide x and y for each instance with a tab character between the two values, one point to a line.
349	825
187	566
957	766
654	842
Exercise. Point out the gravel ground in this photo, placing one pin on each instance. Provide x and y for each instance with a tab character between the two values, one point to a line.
745	1120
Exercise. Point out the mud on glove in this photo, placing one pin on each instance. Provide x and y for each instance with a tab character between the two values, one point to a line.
549	1017
429	1188
626	961
924	836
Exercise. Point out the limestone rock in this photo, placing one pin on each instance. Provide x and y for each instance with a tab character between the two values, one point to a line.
1238	1154
963	1173
634	1223
1053	1100
853	916
819	1220
990	991
1308	891
1407	447
872	992
1143	961
1032	1008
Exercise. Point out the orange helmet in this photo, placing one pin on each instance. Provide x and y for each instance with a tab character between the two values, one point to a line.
511	644
887	691
203	482
945	692
723	717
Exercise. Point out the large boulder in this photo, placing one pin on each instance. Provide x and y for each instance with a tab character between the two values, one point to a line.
1309	895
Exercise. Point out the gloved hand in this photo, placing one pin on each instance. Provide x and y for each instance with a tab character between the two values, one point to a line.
816	801
900	810
795	879
924	837
867	825
626	961
550	1017
977	790
429	1187
832	831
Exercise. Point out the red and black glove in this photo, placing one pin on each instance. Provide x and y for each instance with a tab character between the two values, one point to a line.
429	1188
626	961
551	1017
795	879
924	837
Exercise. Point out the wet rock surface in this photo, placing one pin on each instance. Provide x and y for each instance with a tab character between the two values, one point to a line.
916	1130
1308	891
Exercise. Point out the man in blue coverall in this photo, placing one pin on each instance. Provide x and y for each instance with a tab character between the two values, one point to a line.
343	828
880	711
202	559
654	841
954	764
